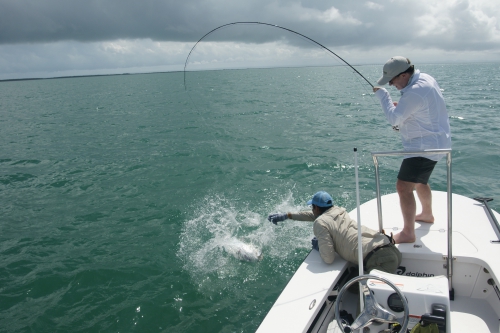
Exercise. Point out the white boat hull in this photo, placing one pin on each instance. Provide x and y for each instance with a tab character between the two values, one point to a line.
303	305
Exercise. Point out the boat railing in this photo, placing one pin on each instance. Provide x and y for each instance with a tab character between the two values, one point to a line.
447	152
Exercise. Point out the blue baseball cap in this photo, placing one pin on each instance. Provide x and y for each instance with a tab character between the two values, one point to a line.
321	199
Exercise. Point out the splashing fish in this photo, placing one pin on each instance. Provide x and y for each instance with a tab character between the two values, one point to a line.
242	251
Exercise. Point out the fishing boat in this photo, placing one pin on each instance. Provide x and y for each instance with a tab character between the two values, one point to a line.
448	278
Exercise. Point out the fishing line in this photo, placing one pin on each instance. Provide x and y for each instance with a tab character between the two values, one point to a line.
276	26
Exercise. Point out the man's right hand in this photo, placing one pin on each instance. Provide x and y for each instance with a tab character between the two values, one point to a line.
275	218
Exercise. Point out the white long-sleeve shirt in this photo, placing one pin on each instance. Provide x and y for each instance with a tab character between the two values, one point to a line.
420	114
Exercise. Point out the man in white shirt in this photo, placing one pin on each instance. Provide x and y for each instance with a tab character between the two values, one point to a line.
423	123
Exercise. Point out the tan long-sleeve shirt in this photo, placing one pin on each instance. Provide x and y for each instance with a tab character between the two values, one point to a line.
337	232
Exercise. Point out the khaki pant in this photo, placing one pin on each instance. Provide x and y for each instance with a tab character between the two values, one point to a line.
386	259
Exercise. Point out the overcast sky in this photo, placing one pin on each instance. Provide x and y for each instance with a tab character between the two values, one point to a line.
47	38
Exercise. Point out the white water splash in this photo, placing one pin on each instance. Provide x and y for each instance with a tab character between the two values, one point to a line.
241	251
226	241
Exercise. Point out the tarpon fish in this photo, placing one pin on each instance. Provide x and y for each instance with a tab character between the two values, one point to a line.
242	251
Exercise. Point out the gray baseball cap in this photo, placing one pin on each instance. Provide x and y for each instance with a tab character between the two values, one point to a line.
393	67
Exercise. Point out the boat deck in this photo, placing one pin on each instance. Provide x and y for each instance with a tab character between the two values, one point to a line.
476	304
473	232
472	315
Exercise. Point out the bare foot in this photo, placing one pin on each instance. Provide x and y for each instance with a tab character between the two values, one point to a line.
403	237
427	218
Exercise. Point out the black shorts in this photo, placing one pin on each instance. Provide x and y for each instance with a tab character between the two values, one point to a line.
416	170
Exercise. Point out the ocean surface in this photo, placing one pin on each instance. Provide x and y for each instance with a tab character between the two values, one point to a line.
118	193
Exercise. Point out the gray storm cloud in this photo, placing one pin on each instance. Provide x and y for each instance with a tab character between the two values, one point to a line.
96	34
458	23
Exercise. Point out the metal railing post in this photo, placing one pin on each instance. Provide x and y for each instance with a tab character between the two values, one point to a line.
379	201
450	227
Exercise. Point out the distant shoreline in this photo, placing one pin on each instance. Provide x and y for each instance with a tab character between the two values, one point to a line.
79	76
200	70
140	73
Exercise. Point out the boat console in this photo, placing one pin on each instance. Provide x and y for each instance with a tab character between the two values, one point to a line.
427	297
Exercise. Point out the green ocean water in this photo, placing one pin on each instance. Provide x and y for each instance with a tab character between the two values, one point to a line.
118	193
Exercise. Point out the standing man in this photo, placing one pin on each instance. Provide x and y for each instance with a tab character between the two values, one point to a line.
336	232
423	123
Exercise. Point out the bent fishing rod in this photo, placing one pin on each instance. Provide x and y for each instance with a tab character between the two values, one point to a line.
275	26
